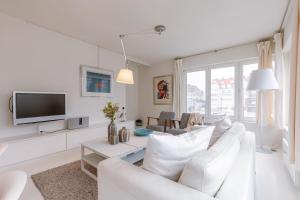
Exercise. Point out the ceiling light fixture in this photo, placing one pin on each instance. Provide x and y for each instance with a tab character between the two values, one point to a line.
125	75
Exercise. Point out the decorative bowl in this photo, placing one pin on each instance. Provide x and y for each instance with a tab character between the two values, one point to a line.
142	132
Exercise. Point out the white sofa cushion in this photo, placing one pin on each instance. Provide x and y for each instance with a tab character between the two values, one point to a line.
242	174
120	180
207	170
166	155
221	127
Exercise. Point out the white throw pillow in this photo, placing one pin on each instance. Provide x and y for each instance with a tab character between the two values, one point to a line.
221	127
238	129
207	170
166	155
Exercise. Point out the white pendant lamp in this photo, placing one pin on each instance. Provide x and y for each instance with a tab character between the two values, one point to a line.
125	75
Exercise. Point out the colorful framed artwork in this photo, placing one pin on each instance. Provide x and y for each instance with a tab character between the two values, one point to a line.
96	82
163	90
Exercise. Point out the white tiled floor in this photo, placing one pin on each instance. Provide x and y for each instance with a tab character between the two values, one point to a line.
39	165
273	181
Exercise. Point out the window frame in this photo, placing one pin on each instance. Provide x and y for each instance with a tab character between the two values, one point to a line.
238	86
241	90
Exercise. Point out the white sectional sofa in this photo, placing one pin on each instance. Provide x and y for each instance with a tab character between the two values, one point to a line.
120	180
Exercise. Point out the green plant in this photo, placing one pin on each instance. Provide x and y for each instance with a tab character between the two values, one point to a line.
110	111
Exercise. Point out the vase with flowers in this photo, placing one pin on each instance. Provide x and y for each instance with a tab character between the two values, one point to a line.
110	111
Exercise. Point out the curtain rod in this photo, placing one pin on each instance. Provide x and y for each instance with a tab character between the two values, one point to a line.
215	51
222	49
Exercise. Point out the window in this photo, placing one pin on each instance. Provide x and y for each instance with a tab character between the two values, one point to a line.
196	95
249	97
222	91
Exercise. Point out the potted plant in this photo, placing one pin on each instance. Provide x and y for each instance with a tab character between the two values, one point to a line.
110	111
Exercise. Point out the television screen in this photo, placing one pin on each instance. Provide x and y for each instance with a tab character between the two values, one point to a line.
37	107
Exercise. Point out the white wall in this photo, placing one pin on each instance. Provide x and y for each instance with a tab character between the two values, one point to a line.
132	92
146	106
227	55
36	59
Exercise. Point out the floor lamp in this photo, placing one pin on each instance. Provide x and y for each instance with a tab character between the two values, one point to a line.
262	80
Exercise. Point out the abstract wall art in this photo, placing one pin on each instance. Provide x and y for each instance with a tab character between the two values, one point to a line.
163	90
96	82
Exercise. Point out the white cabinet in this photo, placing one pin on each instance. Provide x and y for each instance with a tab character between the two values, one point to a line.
25	149
35	145
75	138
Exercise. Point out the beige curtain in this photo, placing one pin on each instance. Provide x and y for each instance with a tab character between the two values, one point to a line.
177	98
294	110
279	74
267	104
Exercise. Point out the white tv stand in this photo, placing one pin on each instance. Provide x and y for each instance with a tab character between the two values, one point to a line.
30	146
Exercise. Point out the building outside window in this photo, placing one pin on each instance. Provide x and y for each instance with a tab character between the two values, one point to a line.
222	91
196	95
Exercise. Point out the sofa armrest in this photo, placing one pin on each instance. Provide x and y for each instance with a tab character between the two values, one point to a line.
118	179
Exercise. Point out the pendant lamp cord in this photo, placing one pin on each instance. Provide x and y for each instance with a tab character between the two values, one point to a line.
123	48
157	30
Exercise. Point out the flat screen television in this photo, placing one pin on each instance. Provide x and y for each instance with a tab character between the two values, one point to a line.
32	107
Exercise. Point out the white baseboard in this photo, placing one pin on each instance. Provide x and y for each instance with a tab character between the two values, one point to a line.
294	173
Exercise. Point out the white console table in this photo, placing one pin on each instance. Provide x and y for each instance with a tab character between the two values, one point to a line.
32	146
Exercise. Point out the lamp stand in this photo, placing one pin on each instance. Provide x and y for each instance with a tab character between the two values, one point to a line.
261	148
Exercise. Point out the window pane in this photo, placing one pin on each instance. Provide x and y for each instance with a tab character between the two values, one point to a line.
222	91
249	98
196	91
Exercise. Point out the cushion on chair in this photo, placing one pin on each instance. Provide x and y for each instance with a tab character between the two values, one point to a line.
177	131
166	155
195	118
207	170
163	116
156	128
184	120
182	126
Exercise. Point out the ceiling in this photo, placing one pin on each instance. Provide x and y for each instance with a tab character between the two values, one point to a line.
193	26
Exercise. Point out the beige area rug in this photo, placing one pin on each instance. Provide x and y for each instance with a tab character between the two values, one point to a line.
67	182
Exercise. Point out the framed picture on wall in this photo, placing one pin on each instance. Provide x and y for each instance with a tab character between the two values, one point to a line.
163	90
96	82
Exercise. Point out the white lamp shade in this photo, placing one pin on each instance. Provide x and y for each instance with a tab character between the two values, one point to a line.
125	76
262	79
